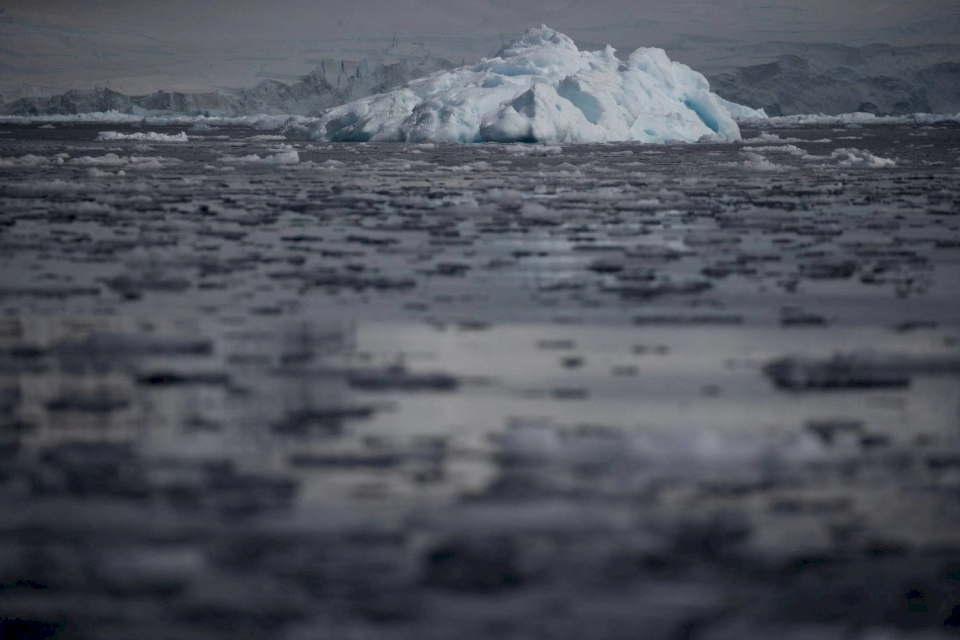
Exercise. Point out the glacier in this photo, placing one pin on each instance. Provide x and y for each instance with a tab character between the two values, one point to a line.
542	88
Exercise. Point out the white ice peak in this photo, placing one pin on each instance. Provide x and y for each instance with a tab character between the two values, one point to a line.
541	88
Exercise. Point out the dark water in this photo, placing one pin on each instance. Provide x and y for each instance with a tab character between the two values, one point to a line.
385	391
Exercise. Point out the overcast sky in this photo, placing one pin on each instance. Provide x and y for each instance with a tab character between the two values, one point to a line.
140	46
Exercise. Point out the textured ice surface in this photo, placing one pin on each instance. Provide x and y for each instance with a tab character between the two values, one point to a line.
542	88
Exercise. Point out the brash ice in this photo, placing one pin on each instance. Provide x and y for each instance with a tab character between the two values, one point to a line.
541	88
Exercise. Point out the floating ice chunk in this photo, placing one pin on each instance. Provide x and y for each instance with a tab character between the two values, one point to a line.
757	162
143	136
284	157
113	160
541	88
861	159
109	159
93	172
29	160
534	149
769	138
147	163
853	159
783	148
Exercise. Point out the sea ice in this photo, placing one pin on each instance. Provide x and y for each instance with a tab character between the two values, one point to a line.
29	160
541	88
758	162
858	118
113	160
851	158
859	158
288	156
140	136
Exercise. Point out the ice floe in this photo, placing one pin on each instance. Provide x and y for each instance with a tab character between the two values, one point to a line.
142	136
758	162
113	160
287	156
29	160
858	158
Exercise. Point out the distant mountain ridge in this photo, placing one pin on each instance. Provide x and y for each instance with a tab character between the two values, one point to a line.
832	79
331	83
788	79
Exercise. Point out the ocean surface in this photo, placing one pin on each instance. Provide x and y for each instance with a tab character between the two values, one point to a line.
253	386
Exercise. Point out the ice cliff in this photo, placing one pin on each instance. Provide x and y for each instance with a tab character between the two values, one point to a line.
542	88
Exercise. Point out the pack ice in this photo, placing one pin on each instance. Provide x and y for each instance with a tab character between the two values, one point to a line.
541	88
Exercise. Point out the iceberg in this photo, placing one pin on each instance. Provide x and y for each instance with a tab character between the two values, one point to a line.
541	88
